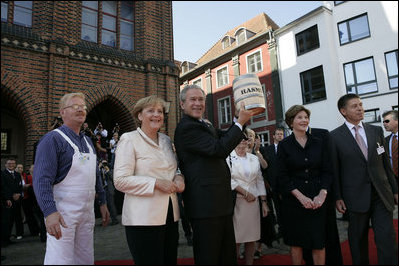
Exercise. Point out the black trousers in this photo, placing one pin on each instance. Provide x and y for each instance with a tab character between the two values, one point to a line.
16	217
154	245
214	241
384	233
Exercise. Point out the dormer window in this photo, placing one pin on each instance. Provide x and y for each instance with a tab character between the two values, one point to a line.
242	35
227	42
184	67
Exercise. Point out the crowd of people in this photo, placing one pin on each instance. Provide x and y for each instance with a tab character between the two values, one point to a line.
227	187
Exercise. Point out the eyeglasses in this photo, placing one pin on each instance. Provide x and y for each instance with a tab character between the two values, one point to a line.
386	121
76	107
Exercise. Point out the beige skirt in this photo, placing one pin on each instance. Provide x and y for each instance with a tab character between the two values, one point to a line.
246	220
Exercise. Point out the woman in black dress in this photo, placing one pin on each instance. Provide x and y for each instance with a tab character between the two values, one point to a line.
305	179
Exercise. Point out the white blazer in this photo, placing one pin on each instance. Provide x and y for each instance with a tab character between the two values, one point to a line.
139	161
252	182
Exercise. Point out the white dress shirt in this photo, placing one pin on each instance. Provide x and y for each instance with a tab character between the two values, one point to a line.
361	132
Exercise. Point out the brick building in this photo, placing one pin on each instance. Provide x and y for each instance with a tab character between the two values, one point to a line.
247	48
115	52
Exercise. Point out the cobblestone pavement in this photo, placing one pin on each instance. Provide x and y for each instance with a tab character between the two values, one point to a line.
110	244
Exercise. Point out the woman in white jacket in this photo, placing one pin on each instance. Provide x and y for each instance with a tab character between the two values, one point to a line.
247	181
146	171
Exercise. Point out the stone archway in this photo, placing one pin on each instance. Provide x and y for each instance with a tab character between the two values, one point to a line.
13	128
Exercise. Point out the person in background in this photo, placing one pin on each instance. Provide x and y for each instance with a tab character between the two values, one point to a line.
65	184
108	184
11	187
112	147
145	170
202	153
305	179
247	180
272	175
28	202
390	122
364	183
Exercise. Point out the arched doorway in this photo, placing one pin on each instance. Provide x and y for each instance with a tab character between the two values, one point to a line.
13	131
109	112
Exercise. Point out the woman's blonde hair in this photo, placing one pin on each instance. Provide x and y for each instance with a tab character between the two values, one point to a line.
146	102
292	112
68	96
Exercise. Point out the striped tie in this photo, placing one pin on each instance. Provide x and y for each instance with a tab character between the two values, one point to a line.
360	141
394	153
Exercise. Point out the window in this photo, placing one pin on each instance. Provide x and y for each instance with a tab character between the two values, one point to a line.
89	20
110	29
222	77
5	141
4	11
391	60
127	25
353	29
360	76
395	107
372	116
226	42
224	107
264	138
240	36
313	87
254	62
22	13
198	82
108	36
307	40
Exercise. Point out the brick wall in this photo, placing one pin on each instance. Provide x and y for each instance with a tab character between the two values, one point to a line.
40	64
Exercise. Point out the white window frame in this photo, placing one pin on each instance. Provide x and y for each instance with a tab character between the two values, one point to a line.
199	80
226	114
262	139
217	76
261	61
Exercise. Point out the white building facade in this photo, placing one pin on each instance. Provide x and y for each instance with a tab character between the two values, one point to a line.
341	47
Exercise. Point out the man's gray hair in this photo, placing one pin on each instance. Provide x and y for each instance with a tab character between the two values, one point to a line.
394	114
187	88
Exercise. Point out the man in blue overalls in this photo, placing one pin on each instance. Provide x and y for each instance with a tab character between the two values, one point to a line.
65	182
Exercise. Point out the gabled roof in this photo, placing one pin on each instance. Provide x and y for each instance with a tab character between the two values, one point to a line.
258	25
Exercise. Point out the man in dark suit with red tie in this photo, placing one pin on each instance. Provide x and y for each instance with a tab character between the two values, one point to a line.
390	122
207	198
364	183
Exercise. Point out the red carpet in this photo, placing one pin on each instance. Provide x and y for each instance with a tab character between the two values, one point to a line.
276	259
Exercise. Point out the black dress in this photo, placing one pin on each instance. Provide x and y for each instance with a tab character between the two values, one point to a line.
308	170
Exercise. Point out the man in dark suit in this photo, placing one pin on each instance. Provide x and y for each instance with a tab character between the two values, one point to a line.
202	154
390	123
272	173
364	183
11	187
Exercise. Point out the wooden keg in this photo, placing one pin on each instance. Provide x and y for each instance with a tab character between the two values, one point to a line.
247	89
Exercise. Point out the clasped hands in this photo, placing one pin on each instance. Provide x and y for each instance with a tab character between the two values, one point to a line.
168	186
316	203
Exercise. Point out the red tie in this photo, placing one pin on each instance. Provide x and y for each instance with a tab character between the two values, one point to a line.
394	153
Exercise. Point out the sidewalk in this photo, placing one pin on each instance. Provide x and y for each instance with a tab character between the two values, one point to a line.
110	244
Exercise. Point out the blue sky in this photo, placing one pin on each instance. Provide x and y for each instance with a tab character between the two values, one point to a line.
197	25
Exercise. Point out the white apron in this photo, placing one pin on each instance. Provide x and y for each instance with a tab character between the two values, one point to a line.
74	198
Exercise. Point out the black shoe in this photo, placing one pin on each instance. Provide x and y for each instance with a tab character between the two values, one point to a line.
114	222
257	255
